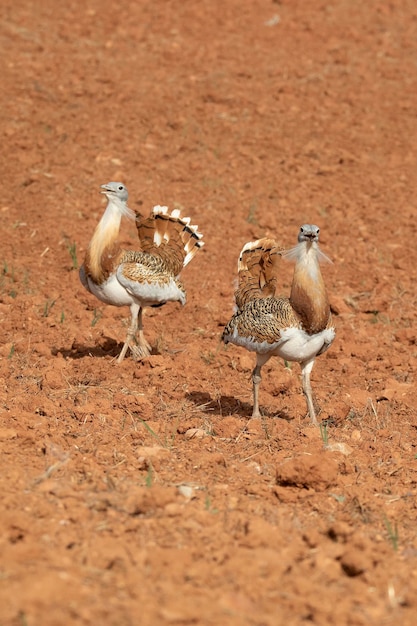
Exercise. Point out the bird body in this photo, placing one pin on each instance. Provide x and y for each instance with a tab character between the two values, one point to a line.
269	326
138	278
141	278
298	328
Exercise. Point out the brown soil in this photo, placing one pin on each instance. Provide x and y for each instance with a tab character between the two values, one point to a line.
144	493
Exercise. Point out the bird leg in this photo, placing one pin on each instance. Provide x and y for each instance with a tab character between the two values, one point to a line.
130	338
140	348
306	368
261	359
135	339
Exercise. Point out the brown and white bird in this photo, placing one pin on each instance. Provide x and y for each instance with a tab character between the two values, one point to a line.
138	278
298	328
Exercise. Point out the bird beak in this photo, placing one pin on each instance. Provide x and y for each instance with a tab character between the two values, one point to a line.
311	237
106	189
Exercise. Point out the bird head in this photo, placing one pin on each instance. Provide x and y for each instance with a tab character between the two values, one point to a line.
117	195
115	190
309	233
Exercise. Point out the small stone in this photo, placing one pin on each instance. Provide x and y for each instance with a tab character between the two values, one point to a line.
152	451
7	433
313	471
195	433
337	446
186	491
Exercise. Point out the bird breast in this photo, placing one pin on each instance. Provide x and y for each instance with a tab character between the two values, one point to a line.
297	345
309	296
110	291
293	344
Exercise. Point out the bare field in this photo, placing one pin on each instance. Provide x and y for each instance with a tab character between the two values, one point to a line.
144	493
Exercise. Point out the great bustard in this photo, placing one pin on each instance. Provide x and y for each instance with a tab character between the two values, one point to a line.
138	278
298	328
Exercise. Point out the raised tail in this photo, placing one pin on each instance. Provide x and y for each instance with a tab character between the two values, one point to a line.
169	236
257	271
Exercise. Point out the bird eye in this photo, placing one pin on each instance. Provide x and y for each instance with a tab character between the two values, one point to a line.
301	229
318	230
120	187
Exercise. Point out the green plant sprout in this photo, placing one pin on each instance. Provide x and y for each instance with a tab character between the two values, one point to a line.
48	306
96	317
392	532
149	477
324	434
72	249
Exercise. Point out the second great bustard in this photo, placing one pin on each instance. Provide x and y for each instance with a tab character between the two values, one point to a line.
138	278
298	328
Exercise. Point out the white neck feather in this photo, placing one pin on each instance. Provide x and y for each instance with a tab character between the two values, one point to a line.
306	254
112	216
106	234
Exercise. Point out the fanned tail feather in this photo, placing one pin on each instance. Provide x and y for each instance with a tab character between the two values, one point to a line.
146	230
257	271
192	243
169	236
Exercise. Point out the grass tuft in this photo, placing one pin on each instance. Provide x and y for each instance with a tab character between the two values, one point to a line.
149	477
97	315
48	307
152	432
324	433
72	249
208	506
392	532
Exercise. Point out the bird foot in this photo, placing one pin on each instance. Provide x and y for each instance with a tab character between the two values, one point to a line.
140	350
312	420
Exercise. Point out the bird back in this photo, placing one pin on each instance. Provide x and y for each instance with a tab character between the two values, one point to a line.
169	237
257	271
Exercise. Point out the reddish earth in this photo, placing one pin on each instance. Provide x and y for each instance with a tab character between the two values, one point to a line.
144	493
